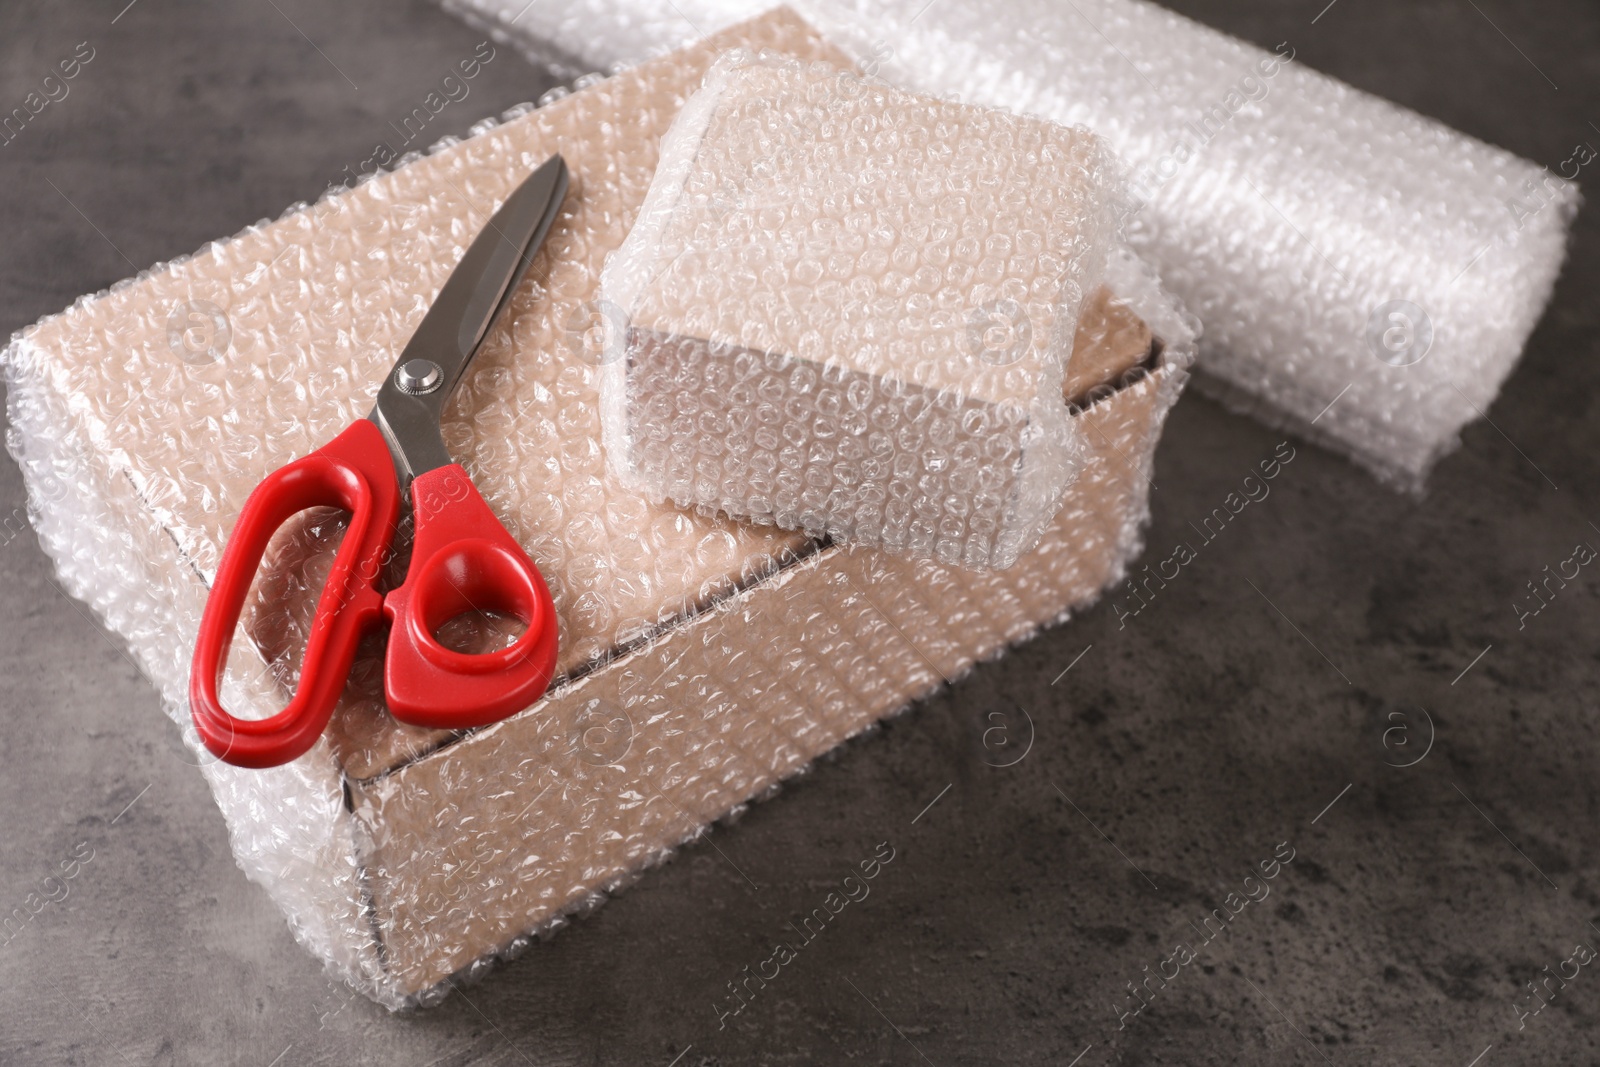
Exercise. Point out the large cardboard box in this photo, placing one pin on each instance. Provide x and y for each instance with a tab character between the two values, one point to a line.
702	661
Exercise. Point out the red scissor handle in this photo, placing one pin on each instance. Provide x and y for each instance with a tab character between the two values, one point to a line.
463	560
353	472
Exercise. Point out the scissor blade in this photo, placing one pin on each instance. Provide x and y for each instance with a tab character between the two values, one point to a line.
483	281
408	407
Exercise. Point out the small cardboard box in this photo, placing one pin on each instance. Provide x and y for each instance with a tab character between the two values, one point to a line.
848	309
702	660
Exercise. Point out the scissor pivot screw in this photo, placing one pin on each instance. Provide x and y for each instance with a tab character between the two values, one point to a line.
418	376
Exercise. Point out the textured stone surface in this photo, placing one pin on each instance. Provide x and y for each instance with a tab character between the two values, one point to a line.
1196	736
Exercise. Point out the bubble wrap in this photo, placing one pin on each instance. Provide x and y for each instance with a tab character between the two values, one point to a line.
407	858
1341	250
846	309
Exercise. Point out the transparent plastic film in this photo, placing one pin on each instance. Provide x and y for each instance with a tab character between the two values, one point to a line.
847	310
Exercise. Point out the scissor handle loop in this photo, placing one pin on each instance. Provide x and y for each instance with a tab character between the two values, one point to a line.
464	560
355	472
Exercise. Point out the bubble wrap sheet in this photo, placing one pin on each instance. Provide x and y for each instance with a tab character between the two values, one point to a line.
702	660
846	309
1337	247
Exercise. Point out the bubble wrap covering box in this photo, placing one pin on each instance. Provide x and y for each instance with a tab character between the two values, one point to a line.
1337	247
404	857
846	309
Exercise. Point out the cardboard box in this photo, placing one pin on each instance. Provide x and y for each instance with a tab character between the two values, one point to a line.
400	855
848	308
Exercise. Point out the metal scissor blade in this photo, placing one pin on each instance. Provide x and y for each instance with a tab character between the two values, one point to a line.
484	279
409	405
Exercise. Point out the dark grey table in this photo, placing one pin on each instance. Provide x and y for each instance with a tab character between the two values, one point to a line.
1177	752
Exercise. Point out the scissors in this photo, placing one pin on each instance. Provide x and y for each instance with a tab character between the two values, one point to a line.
462	558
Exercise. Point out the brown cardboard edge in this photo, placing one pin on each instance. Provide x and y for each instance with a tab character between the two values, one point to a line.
648	636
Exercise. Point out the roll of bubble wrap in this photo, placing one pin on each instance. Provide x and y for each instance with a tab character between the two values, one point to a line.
846	309
702	661
1340	250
